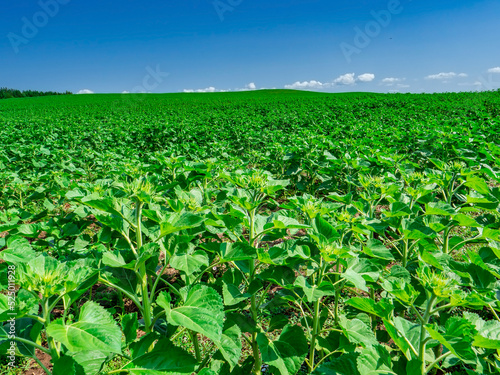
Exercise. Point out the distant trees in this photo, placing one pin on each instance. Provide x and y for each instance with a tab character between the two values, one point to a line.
6	93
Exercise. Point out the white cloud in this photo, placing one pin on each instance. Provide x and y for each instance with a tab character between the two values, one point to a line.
494	70
391	80
208	89
394	82
444	76
305	85
125	92
251	86
367	77
345	79
85	91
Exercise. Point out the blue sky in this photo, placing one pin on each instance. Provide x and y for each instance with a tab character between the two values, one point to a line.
212	45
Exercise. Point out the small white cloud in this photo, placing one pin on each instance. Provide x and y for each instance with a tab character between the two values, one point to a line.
391	80
345	79
367	77
445	76
394	81
208	89
125	92
305	85
494	70
251	86
85	91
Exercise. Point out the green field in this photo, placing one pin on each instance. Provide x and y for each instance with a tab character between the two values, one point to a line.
267	232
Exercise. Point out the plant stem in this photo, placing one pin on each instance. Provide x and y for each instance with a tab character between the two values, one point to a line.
314	333
405	253
194	339
425	320
42	365
446	240
50	340
146	303
253	303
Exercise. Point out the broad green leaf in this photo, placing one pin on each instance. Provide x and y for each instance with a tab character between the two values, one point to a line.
458	337
189	261
202	312
375	360
478	184
439	208
129	327
286	354
94	330
355	278
346	364
164	359
377	249
230	344
381	309
357	332
177	222
314	292
18	251
405	334
231	287
236	251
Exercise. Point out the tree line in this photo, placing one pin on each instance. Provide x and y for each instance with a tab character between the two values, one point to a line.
6	93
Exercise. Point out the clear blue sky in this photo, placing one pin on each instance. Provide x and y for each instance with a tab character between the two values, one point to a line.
324	45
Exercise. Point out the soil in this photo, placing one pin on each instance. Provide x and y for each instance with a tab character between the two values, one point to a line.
35	369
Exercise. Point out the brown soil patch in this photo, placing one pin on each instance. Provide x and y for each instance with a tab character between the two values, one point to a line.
35	368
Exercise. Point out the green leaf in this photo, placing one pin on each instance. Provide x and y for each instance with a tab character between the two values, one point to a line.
189	261
381	309
231	287
286	354
95	330
478	184
324	228
277	322
164	359
236	251
439	208
129	327
177	222
344	365
314	292
375	360
18	251
355	278
357	332
458	337
377	249
202	312
230	344
488	332
405	334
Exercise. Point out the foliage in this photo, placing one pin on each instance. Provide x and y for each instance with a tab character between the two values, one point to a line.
266	232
